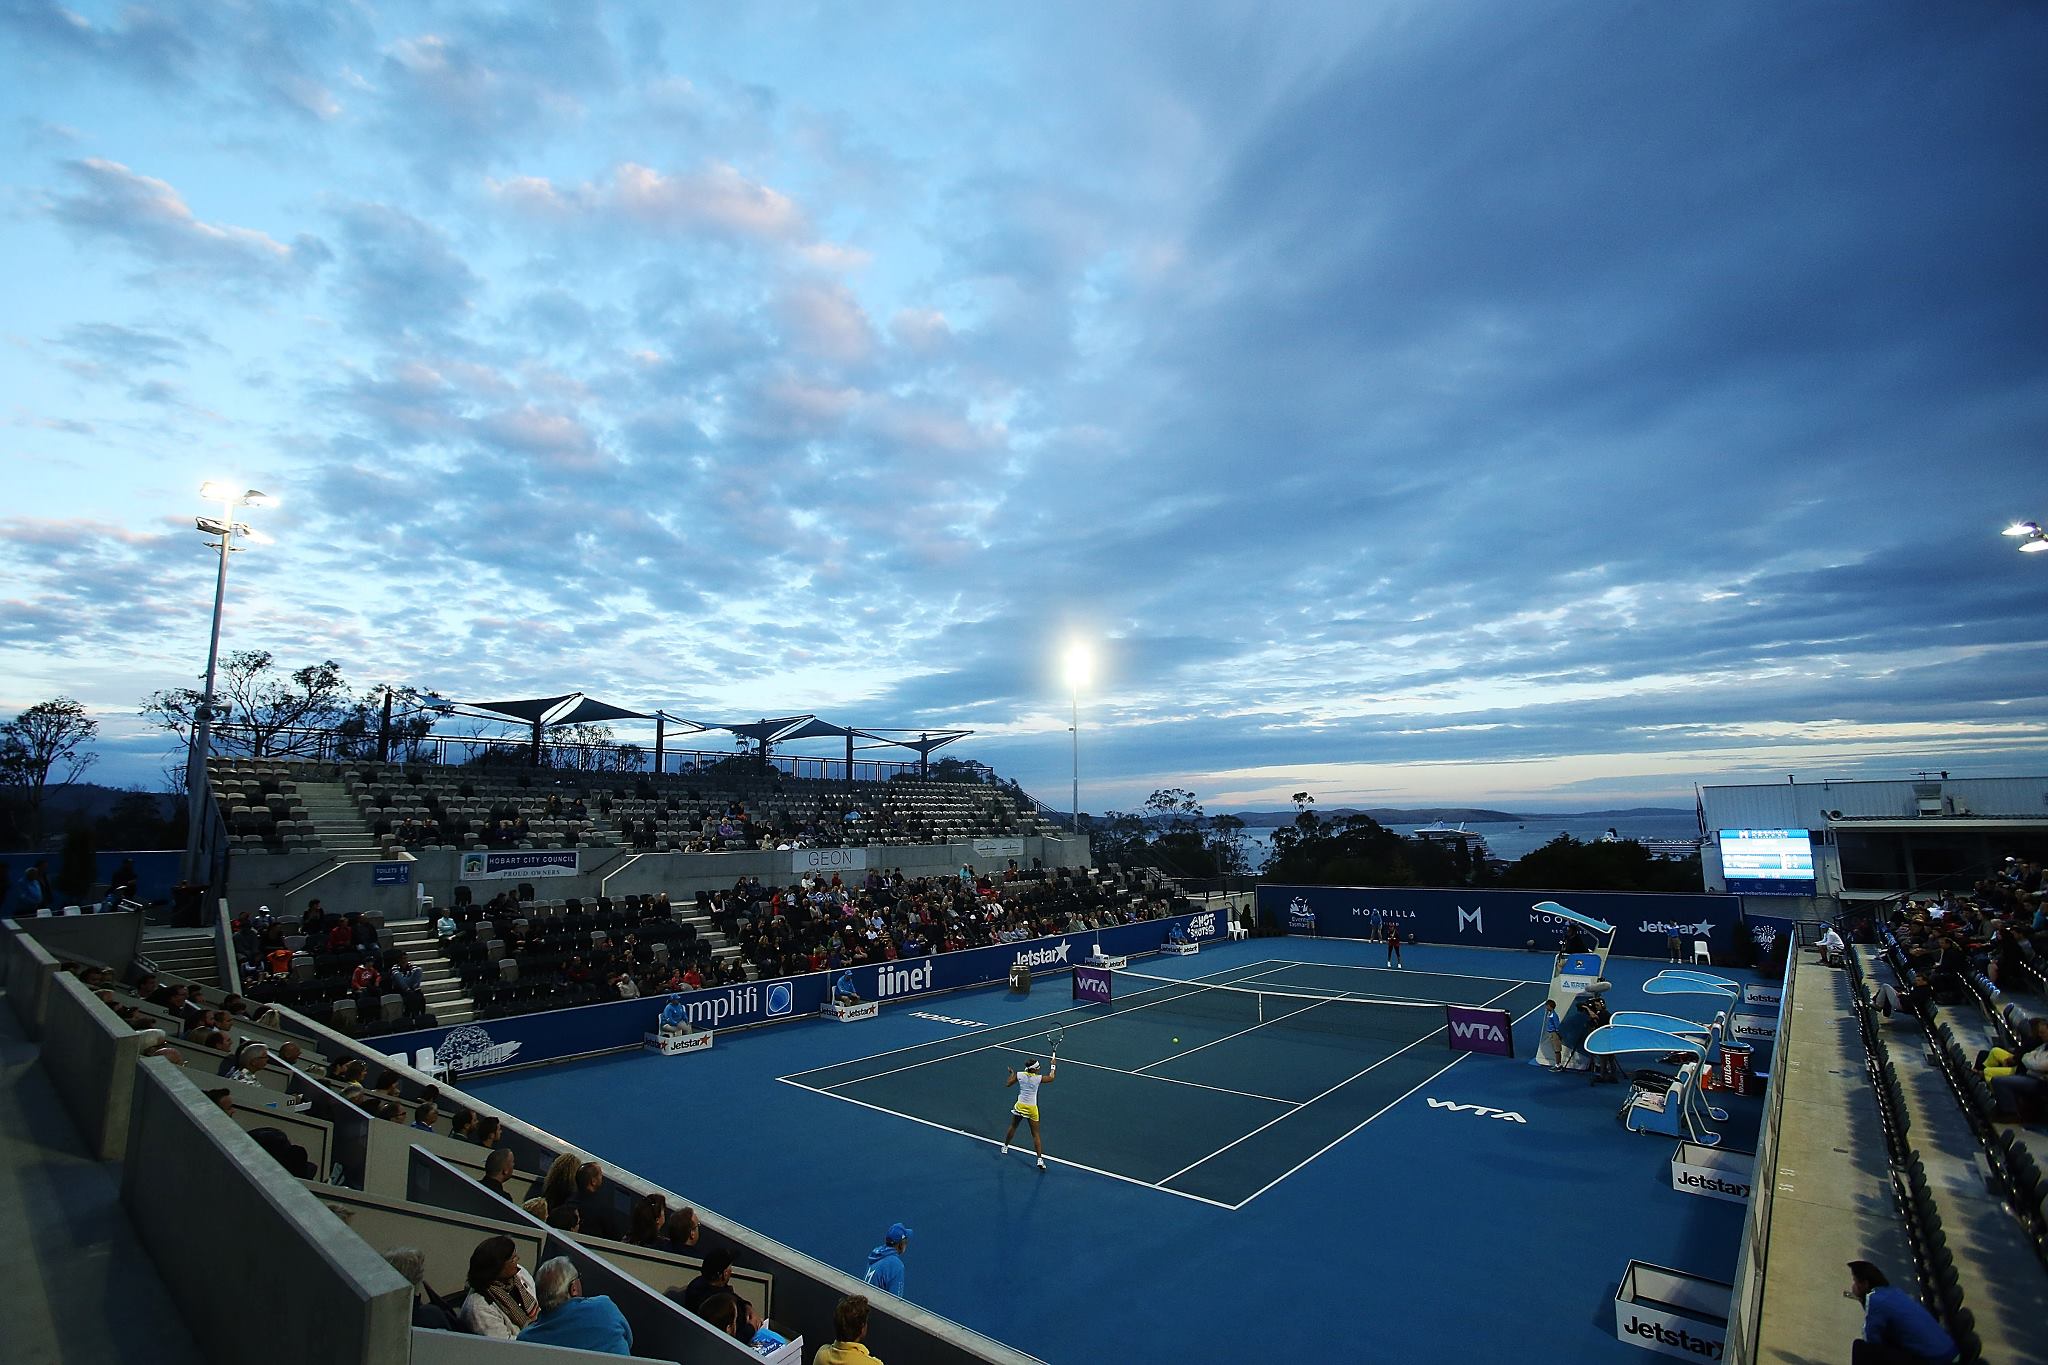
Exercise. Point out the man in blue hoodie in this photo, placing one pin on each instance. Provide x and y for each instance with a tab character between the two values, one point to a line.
885	1262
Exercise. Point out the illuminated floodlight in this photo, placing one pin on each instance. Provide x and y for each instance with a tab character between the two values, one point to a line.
2023	528
1078	665
2034	547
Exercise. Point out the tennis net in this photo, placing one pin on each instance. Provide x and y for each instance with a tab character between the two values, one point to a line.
1244	1007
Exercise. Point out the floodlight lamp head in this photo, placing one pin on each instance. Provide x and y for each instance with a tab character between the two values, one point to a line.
2023	528
256	497
213	526
1078	665
2035	546
214	490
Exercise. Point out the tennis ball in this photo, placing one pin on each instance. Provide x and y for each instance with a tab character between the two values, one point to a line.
1176	1040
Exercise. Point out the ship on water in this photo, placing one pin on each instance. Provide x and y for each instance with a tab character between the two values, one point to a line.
1669	850
1448	836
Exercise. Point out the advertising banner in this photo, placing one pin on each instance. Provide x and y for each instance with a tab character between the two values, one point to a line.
1716	1172
1091	984
1473	1029
1770	933
391	874
1497	918
998	848
828	860
527	1038
483	865
1672	1312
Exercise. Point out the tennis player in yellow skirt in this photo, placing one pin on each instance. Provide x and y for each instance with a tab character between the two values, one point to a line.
1027	1082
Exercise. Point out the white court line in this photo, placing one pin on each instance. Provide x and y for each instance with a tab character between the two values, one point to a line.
978	1137
1460	976
1008	1042
1175	1080
1376	1113
1189	1052
1312	1099
988	1028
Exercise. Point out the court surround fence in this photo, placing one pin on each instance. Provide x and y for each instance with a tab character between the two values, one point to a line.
1645	923
553	1035
1752	1257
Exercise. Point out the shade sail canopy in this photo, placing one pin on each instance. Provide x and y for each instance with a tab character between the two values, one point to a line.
530	710
813	728
591	711
763	729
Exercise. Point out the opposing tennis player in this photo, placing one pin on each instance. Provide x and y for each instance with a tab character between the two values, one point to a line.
1027	1082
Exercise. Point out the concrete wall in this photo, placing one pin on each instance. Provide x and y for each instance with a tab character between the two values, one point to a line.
26	967
260	879
459	1348
90	1055
110	940
279	1279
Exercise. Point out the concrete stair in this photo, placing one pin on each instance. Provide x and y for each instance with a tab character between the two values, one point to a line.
183	952
446	999
338	822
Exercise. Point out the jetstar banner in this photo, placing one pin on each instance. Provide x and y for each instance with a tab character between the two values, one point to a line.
1645	924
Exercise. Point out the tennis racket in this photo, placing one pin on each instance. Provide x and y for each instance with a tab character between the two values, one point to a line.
1054	1037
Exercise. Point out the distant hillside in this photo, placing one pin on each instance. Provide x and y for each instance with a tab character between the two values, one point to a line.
1386	815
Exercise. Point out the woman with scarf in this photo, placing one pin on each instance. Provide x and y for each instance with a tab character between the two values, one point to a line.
501	1301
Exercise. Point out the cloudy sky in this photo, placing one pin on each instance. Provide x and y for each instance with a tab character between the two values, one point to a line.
1549	405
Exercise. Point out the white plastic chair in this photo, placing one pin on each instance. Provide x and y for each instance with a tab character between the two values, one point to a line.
1701	953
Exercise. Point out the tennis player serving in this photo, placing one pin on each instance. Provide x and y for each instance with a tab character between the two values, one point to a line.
1027	1082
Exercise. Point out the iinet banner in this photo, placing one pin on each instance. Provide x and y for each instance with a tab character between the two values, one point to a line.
1473	1029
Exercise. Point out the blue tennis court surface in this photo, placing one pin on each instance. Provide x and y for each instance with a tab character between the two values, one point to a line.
1264	1187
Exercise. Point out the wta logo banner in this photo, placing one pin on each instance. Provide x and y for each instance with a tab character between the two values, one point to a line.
1474	1029
1091	984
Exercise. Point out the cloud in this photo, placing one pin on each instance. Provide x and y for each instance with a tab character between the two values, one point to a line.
110	202
400	276
715	200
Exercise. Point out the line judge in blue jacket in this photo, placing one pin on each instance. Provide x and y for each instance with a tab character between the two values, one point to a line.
885	1262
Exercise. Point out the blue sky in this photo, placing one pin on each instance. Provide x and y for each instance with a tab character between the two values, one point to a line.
1548	405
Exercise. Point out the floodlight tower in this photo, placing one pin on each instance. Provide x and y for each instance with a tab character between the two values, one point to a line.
227	529
1079	666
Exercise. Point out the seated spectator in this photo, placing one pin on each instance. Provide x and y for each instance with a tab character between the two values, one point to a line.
288	1154
157	1043
843	992
462	1123
643	1227
714	1275
425	1117
749	1328
223	1097
682	1228
538	1207
409	982
567	1218
721	1310
365	983
558	1186
599	1218
427	1308
248	1060
850	1326
1897	1328
567	1318
488	1131
497	1170
501	1302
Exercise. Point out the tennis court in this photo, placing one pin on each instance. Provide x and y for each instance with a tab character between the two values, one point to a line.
1211	1088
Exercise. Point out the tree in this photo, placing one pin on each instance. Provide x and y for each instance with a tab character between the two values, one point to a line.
412	721
1568	864
259	710
1228	847
45	741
